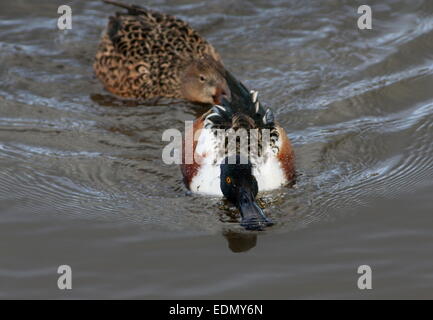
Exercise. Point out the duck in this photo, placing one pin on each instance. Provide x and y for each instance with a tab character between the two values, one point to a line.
144	55
238	173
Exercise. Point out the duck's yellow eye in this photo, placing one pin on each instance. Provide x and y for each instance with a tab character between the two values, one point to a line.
229	180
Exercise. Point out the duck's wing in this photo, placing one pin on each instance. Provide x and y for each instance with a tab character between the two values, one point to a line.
140	32
244	111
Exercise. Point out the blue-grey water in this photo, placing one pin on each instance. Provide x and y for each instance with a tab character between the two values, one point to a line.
82	181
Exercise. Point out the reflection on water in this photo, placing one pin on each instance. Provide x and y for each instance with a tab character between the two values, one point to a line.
357	105
240	241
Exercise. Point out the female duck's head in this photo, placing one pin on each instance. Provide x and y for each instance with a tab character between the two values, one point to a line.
204	81
239	186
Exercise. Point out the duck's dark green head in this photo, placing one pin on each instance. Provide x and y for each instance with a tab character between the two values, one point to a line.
239	186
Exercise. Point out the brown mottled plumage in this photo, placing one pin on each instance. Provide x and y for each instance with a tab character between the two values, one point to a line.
145	54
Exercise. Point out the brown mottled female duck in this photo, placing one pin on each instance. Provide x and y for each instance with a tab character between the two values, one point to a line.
216	170
145	55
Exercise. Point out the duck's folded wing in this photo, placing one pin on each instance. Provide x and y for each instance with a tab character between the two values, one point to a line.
140	32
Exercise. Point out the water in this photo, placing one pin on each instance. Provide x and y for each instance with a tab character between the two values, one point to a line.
82	181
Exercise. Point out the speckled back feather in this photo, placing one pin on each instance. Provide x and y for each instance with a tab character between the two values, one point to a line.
142	53
244	111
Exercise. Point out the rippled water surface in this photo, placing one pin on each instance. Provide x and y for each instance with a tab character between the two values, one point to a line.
82	181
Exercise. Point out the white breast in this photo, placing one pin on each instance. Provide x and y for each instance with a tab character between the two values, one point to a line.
207	179
266	169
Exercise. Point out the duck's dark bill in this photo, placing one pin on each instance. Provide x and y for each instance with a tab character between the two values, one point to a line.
253	217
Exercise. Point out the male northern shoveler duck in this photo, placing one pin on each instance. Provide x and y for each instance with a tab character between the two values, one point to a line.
238	174
145	54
